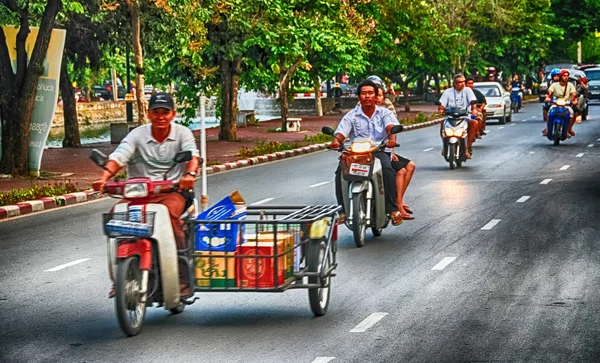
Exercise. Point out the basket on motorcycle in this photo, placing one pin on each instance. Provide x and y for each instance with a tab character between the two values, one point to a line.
357	166
134	223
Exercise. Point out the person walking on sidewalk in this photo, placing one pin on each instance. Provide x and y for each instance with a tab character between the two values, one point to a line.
148	152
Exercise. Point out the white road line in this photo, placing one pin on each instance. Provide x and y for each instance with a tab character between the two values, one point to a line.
565	167
368	322
512	124
54	269
500	128
428	149
491	224
318	184
546	181
532	152
598	140
579	155
443	263
591	145
523	199
263	201
323	359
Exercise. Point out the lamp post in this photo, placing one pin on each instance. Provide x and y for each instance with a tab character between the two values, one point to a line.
128	97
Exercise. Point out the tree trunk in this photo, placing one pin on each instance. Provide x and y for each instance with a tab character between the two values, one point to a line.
285	74
405	90
69	109
134	11
21	89
318	103
115	85
438	88
229	90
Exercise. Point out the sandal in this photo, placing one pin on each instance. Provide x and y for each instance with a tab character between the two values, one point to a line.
184	290
112	292
407	217
571	132
341	219
407	209
396	218
545	132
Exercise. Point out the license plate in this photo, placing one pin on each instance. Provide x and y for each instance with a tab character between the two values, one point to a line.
359	169
595	92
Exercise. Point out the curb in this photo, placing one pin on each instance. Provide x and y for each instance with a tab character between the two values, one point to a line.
24	208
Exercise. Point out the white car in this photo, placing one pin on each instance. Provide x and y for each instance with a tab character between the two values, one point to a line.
498	101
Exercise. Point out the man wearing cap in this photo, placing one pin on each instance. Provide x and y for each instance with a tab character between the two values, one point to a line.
148	152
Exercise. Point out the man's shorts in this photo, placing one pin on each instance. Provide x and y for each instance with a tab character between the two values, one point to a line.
400	164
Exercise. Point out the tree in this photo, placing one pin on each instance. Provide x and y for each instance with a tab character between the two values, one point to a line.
134	12
17	100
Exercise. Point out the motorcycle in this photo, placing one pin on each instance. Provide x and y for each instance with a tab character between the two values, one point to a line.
454	135
558	120
515	96
142	254
363	186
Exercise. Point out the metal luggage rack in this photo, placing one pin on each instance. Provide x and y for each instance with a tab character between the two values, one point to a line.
275	221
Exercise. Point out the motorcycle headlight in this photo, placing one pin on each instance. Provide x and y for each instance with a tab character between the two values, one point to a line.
359	147
135	190
449	132
561	102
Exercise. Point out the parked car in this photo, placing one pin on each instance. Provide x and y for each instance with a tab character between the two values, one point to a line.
498	101
593	81
105	91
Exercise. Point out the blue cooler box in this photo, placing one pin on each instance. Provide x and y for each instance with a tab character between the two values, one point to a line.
220	237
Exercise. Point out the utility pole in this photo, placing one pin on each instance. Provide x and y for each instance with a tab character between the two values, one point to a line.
578	52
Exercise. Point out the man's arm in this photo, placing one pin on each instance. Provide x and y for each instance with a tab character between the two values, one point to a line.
117	160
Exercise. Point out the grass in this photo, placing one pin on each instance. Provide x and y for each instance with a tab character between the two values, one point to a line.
319	138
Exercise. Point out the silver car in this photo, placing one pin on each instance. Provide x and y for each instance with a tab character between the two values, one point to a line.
498	101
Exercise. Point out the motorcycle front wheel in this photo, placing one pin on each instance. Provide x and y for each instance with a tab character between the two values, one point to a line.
359	227
452	156
128	300
557	132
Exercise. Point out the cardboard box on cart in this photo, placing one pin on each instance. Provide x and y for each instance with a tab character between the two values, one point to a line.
258	272
215	269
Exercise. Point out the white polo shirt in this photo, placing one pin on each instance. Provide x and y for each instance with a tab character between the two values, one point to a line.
147	158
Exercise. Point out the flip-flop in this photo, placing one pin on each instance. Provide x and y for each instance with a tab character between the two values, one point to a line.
571	132
407	217
407	209
394	218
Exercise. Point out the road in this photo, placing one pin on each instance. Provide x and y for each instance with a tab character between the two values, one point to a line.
501	264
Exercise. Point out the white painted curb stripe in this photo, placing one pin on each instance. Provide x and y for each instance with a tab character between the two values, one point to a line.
67	265
318	184
368	322
565	167
523	199
263	201
443	263
323	359
579	155
79	196
546	181
491	224
12	210
36	205
428	149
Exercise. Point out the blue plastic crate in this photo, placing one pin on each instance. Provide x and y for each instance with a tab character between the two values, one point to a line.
220	237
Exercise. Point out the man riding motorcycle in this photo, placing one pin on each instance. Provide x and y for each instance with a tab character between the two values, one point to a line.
461	98
563	90
369	121
148	152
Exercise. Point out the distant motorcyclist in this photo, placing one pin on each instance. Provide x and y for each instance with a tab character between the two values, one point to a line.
481	103
564	90
369	121
461	98
554	77
517	84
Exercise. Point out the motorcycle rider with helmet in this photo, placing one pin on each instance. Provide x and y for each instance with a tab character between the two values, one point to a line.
563	90
370	121
554	77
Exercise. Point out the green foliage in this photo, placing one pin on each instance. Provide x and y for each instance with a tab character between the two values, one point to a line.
36	192
264	147
319	138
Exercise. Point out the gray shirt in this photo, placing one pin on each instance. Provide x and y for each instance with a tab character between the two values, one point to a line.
147	158
356	124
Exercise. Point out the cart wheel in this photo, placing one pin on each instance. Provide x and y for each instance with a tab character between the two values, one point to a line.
318	297
128	301
178	309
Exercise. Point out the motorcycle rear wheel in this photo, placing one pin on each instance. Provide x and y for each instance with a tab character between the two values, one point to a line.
359	227
128	301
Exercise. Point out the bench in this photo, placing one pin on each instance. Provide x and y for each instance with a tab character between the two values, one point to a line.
293	124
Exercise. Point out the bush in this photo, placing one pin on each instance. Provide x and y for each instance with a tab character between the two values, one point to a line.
318	138
266	147
36	192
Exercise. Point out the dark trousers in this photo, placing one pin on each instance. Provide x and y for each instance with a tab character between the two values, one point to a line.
389	182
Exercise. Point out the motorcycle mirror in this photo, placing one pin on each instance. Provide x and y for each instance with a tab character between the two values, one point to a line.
99	158
327	130
183	156
397	129
437	103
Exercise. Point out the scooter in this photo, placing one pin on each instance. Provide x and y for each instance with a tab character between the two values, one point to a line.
515	96
142	254
363	186
558	121
454	136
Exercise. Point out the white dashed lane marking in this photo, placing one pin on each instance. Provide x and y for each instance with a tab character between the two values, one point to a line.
546	181
523	199
428	149
565	167
368	322
579	155
323	359
591	145
500	128
263	201
54	269
318	184
491	224
443	263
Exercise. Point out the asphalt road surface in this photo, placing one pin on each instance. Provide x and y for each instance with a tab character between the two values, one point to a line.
501	264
